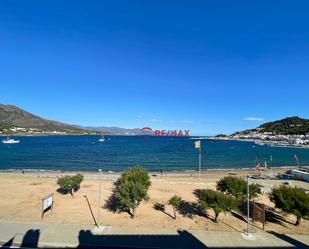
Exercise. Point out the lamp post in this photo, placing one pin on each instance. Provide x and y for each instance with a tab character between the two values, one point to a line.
197	145
200	162
248	205
271	165
296	158
99	206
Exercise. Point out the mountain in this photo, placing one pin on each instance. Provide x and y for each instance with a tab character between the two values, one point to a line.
114	130
12	116
291	131
287	126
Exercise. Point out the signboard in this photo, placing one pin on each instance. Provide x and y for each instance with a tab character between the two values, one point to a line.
197	144
259	213
175	133
47	203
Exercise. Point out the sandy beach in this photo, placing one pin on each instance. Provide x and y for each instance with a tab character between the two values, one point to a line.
21	201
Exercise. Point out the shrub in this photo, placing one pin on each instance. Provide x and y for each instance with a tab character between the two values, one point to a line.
70	183
175	202
237	187
78	178
132	189
216	200
291	200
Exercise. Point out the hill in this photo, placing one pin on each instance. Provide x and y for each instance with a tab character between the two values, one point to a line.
114	130
12	116
287	126
291	131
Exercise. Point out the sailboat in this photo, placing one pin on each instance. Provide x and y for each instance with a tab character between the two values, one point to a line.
102	139
9	140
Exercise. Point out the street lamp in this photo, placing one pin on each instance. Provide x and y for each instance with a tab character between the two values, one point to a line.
197	145
99	206
248	205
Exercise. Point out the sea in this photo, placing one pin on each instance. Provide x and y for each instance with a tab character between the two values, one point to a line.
118	153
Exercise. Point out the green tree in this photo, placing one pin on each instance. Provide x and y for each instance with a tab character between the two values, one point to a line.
132	189
175	202
291	201
70	183
216	200
78	178
237	187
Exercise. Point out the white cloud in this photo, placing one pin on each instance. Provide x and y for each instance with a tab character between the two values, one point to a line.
154	120
139	116
253	119
184	121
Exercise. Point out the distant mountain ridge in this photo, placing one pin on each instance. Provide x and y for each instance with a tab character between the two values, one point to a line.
113	129
11	115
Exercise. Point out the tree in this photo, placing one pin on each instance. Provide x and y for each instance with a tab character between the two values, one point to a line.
70	183
78	178
237	187
175	202
291	201
216	200
132	189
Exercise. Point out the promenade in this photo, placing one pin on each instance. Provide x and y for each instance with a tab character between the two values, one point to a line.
76	236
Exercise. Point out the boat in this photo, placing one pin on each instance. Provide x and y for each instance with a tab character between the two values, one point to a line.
260	143
10	141
102	139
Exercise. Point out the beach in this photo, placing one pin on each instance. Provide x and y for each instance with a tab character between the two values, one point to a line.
21	195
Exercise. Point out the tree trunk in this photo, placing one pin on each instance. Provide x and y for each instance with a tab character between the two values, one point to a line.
297	221
71	192
133	213
174	213
216	216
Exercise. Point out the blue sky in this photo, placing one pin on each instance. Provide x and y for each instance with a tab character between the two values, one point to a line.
208	66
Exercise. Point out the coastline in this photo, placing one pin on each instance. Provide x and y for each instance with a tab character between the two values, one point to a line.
154	174
52	134
261	142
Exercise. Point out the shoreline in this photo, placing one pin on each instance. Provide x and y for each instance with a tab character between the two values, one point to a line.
150	171
260	142
208	172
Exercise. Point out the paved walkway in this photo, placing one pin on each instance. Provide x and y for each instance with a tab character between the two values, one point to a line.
59	235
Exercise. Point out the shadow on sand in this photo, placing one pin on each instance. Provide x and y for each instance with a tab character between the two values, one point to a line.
161	207
182	240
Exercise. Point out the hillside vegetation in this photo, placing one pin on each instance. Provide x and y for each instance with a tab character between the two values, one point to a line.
287	126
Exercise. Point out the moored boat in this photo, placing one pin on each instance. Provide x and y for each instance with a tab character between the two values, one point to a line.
102	139
10	141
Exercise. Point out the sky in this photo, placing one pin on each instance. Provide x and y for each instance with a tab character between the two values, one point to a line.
208	66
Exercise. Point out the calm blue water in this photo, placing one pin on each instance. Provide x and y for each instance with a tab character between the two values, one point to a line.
118	153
